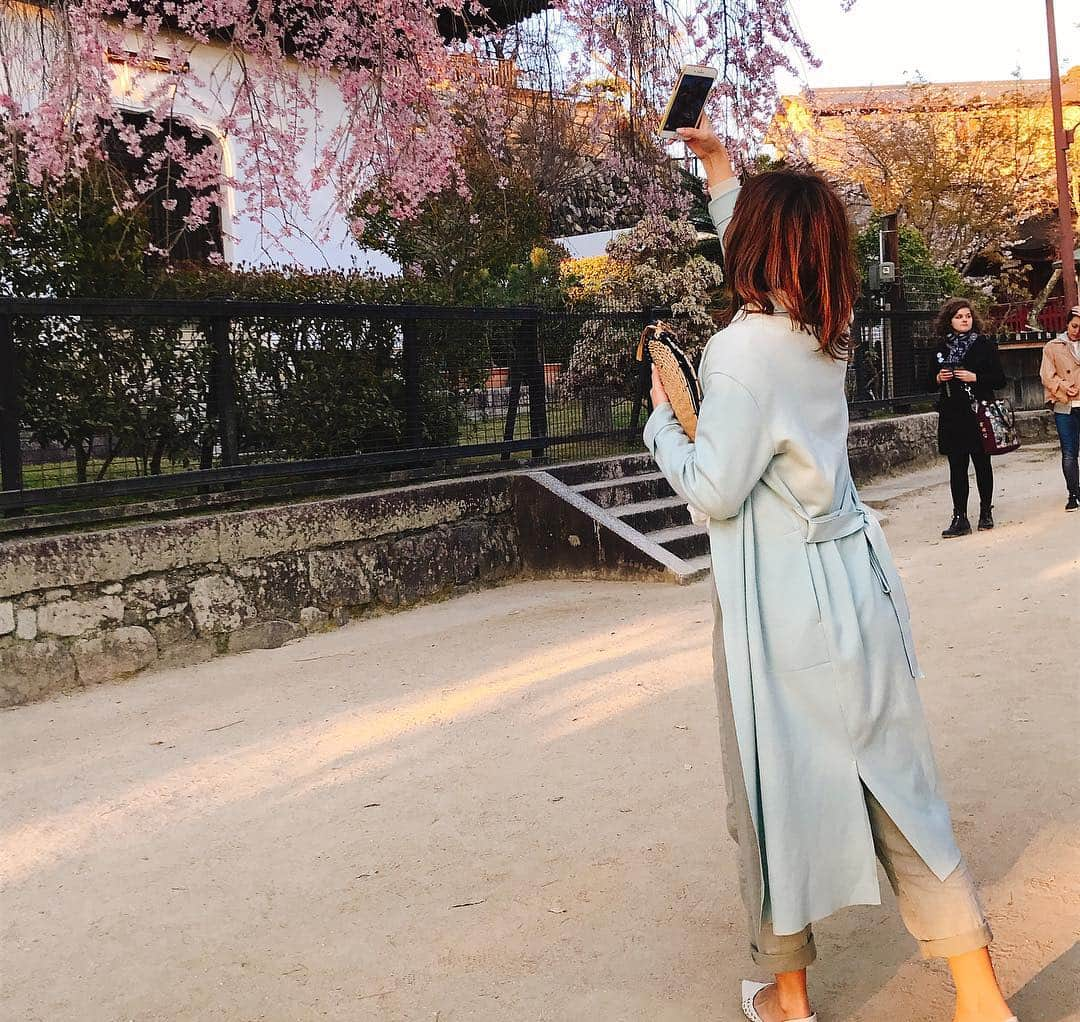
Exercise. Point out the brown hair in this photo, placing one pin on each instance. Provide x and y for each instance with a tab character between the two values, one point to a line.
1073	313
790	238
943	324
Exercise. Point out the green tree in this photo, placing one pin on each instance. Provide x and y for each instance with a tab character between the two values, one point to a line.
925	280
469	234
99	388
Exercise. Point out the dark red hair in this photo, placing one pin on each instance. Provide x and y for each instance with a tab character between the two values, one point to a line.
790	240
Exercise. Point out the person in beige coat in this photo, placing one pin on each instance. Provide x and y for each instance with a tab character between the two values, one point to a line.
826	755
1060	374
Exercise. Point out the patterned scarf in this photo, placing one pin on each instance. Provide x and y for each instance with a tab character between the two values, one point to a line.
958	345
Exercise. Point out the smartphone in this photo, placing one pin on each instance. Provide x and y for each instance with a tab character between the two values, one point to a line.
687	102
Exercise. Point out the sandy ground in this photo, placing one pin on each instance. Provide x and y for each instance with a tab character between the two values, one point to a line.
509	806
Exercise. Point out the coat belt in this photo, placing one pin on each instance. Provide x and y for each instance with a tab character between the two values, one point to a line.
848	522
837	525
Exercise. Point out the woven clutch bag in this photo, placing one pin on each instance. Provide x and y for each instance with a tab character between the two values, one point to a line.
658	346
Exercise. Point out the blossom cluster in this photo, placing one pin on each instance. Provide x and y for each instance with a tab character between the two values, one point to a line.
266	75
653	265
647	41
74	63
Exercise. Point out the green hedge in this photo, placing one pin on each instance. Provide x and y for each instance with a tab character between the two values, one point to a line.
306	388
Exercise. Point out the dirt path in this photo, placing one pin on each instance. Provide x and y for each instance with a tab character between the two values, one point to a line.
509	807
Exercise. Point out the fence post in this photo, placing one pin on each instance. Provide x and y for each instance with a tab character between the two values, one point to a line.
414	425
644	380
861	365
225	390
10	443
529	345
514	396
206	450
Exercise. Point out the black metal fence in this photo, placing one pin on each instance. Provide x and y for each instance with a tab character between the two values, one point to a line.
126	408
892	361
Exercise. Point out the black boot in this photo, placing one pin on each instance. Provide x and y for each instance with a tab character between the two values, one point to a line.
986	519
1074	502
960	526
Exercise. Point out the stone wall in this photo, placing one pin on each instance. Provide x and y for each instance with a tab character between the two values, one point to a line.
82	608
883	446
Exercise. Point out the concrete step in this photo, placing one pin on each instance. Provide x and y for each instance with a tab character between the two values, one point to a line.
634	522
603	468
696	568
652	515
615	492
685	541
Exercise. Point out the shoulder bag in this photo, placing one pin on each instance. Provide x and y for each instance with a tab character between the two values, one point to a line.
997	424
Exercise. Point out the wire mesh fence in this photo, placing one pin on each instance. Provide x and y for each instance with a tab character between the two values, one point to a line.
112	408
104	402
891	364
106	399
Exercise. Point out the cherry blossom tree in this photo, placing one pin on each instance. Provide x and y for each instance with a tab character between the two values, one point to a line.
645	42
400	70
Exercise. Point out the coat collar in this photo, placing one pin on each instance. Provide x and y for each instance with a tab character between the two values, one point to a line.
1063	340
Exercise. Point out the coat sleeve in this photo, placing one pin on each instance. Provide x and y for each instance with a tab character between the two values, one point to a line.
992	374
730	453
722	205
1053	383
935	368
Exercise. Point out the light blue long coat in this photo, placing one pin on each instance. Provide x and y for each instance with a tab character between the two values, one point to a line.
820	657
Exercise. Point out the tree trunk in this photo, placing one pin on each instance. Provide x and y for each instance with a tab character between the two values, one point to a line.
82	459
1040	302
109	455
597	411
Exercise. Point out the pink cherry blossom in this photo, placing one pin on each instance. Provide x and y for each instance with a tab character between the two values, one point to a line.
407	95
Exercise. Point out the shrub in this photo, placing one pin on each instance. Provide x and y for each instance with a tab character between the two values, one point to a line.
324	387
655	264
96	387
590	278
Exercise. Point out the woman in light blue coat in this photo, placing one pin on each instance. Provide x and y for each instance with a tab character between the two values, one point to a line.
827	759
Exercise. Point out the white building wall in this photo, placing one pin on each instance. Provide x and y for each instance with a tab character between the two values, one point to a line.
320	236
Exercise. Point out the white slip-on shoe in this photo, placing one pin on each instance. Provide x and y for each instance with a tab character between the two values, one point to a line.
750	990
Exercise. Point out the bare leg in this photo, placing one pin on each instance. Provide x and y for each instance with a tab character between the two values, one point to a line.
787	999
978	996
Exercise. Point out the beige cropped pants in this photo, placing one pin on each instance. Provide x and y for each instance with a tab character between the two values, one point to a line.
944	916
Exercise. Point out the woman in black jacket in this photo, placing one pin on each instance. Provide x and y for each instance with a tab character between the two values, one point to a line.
969	369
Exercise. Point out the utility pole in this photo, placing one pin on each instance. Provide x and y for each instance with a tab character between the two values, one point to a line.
893	295
1066	242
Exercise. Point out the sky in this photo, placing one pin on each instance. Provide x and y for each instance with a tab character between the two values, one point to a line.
884	42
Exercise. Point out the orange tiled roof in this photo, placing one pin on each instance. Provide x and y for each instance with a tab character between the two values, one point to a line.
944	95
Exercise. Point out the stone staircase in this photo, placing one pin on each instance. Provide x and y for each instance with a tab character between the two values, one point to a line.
628	497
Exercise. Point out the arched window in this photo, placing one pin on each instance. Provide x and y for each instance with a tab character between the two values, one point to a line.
159	180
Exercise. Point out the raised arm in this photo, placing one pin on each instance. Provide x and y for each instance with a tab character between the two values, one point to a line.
722	183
